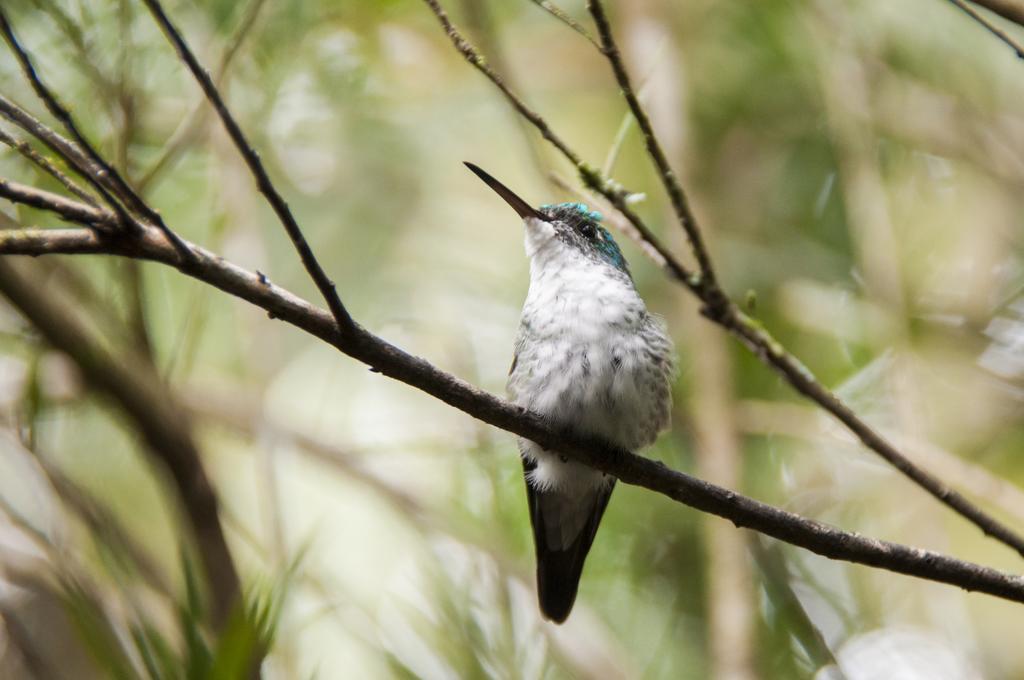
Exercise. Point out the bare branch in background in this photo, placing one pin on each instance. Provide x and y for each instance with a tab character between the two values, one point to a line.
106	524
989	26
193	123
719	309
142	396
259	173
1011	10
393	362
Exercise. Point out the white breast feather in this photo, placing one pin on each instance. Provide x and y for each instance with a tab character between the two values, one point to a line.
591	357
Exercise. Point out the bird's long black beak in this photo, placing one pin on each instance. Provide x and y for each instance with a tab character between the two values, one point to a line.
522	208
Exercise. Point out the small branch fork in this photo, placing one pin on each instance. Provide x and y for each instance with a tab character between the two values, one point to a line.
252	159
26	150
106	175
717	307
146	242
676	195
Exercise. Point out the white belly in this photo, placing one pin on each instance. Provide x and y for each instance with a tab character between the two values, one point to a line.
591	358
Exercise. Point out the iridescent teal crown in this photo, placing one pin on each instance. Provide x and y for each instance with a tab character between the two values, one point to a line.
581	208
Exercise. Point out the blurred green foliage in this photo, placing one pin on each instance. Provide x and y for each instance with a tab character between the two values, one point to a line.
857	167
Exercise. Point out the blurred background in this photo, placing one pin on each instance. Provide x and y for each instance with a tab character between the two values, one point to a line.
858	167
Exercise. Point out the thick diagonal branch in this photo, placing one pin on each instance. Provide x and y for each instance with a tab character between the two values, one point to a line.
393	362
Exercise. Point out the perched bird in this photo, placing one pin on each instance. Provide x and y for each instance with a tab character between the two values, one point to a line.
589	357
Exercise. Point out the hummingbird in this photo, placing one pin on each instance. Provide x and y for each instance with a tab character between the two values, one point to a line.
588	357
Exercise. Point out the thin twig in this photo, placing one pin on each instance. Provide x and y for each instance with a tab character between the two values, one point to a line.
63	147
473	57
26	150
186	132
719	309
680	204
61	113
85	59
990	27
627	119
252	159
560	14
628	467
480	21
72	211
591	176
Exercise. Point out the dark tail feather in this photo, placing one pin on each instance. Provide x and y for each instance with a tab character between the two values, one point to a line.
558	579
559	568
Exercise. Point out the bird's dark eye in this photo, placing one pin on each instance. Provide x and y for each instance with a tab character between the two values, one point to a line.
588	230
